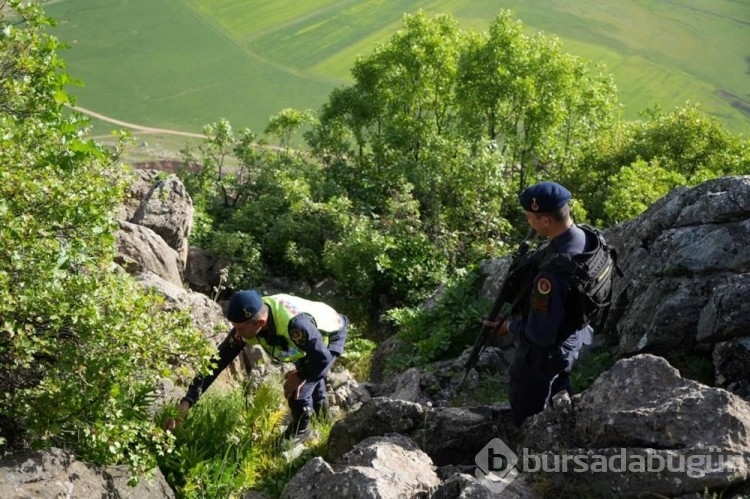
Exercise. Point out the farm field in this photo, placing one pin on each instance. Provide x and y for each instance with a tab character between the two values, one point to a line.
180	64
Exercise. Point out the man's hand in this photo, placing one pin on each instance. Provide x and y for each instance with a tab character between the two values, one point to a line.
173	423
292	384
500	331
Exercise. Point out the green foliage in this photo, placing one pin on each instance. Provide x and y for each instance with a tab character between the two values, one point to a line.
351	259
288	121
441	330
227	163
635	187
81	347
539	105
245	271
430	137
230	443
357	354
634	164
416	165
591	364
267	213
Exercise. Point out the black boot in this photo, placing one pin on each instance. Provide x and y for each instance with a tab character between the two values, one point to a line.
299	427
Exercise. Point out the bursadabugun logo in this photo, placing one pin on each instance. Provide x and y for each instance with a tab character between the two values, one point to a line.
496	464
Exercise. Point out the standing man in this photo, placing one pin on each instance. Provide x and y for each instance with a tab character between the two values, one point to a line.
290	329
550	329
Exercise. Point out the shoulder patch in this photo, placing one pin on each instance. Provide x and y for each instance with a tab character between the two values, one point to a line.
540	296
298	336
544	286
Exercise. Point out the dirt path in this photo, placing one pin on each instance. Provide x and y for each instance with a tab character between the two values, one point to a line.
133	126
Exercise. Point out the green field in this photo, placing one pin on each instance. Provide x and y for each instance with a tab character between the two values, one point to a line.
181	64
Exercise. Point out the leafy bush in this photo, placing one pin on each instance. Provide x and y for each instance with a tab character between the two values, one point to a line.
443	329
357	354
627	168
630	195
82	347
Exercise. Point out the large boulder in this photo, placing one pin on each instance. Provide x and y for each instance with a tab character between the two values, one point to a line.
139	249
641	428
160	202
204	272
377	468
54	473
686	263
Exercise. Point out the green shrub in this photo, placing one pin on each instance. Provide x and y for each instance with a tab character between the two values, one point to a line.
358	354
230	443
82	347
442	330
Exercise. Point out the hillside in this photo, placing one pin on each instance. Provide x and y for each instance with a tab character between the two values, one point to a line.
181	64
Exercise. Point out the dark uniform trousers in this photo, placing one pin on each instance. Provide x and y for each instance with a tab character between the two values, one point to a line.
536	374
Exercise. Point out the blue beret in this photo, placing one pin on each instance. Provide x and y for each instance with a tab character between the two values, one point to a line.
243	306
544	197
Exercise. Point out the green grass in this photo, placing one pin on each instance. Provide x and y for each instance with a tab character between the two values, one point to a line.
230	443
184	63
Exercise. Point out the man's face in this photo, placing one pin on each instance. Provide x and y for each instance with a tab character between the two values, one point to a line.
249	328
538	222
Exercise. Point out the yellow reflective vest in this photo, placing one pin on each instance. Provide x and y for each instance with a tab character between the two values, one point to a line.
284	308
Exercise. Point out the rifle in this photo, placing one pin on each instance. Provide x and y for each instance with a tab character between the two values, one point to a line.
498	312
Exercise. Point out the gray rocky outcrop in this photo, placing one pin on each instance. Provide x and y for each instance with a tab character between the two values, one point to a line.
641	428
449	435
378	468
160	202
54	473
203	272
140	249
732	362
687	269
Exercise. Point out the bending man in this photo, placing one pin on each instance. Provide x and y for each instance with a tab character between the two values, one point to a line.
290	329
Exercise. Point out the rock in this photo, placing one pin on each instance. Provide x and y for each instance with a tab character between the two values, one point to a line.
160	202
139	249
203	271
378	467
53	473
635	417
732	364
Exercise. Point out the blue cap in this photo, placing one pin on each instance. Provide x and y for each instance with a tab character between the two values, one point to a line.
244	305
544	197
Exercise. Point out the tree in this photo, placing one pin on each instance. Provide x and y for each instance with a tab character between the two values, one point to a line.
288	121
81	347
636	187
540	106
648	157
401	100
